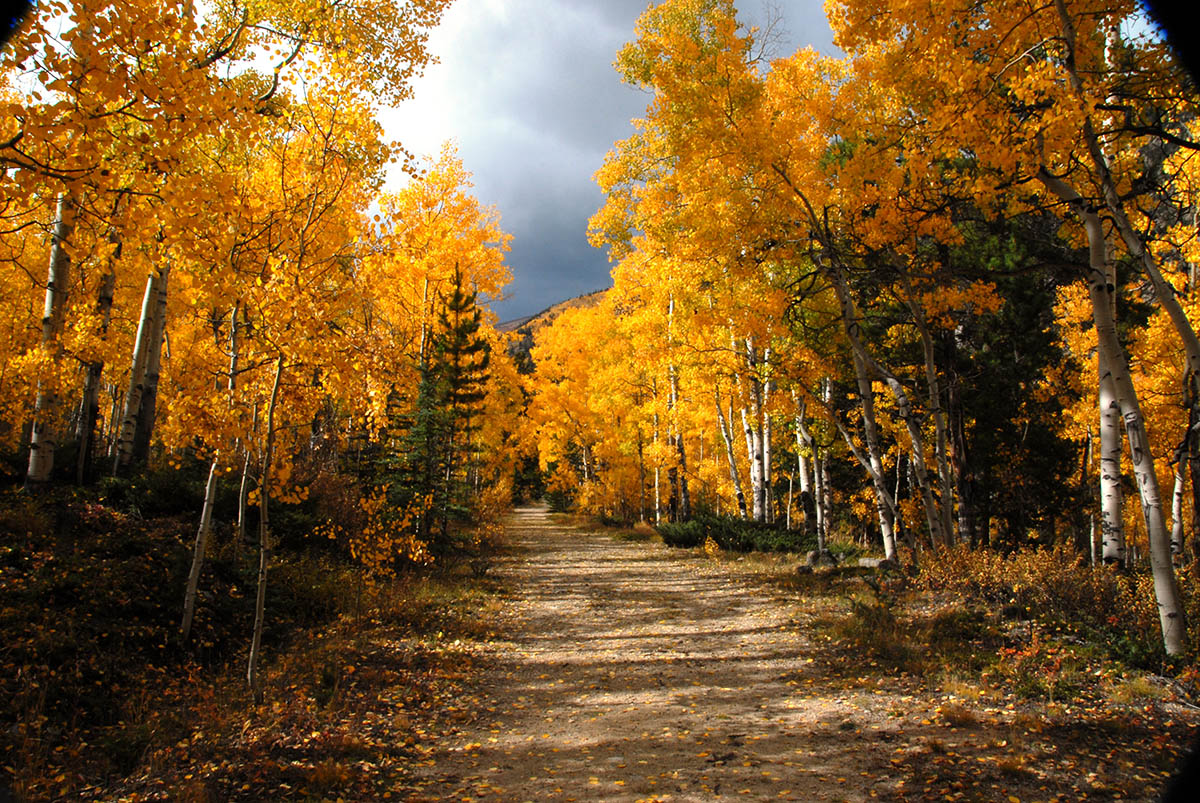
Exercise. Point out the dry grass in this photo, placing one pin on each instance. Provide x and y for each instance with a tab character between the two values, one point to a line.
1135	690
958	716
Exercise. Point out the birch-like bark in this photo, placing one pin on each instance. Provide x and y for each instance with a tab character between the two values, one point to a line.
210	494
754	447
872	461
123	446
43	438
264	540
1163	290
680	484
884	501
726	435
201	546
657	468
1166	588
864	361
684	511
753	424
822	499
1193	461
768	480
812	492
821	472
808	503
1177	506
641	477
1112	527
243	493
147	409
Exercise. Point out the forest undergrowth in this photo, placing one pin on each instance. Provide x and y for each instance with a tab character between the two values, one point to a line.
101	701
1011	668
992	673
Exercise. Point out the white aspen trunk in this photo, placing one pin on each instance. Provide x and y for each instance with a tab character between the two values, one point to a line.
424	323
810	488
1177	506
768	480
657	467
1163	290
821	473
657	496
210	494
1093	542
808	501
960	462
754	440
938	413
933	518
243	492
801	462
113	421
1112	527
727	436
235	332
1166	589
874	471
147	410
754	447
787	525
885	504
822	501
202	534
44	434
685	500
872	461
123	450
684	506
641	478
264	541
903	407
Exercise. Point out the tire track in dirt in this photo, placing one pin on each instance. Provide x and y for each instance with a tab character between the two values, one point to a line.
627	674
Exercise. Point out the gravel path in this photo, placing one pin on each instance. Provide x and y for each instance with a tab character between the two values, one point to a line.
631	675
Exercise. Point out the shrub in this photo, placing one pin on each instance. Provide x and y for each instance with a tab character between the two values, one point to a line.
1055	588
1042	670
874	627
734	535
681	534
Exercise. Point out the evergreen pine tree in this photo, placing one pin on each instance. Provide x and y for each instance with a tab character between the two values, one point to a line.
453	377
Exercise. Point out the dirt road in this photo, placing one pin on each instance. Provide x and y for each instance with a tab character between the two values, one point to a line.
633	676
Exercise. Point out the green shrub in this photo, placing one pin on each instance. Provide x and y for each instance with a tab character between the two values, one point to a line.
681	534
734	535
874	627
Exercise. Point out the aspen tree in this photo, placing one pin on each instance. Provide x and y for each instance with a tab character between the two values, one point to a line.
1166	589
43	438
264	539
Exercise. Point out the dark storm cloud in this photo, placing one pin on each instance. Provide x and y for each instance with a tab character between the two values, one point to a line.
528	91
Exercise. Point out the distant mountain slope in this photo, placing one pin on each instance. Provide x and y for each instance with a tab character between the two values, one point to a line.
527	328
547	316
